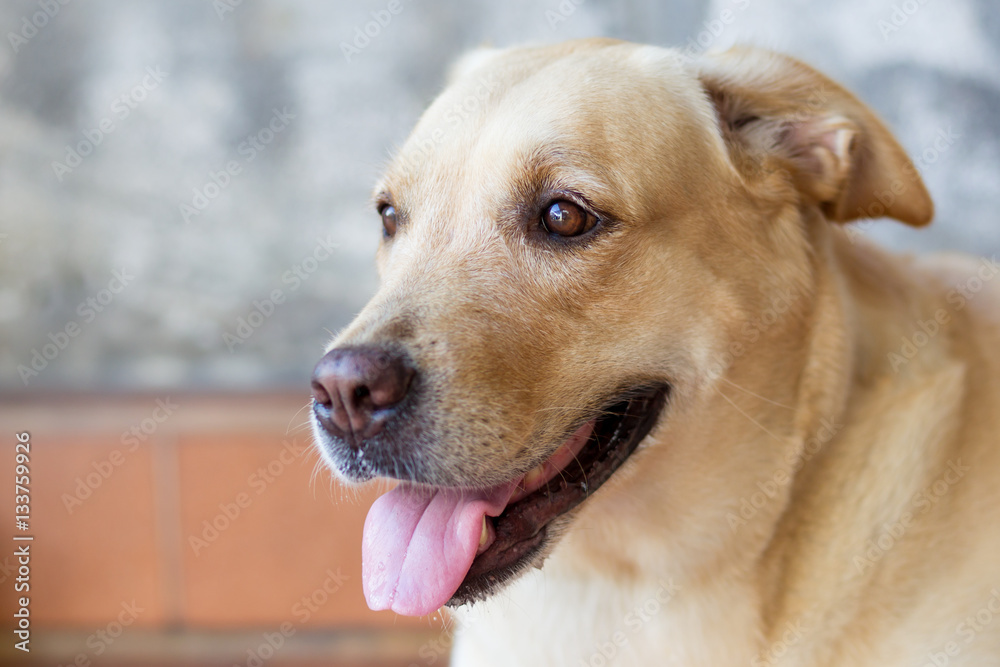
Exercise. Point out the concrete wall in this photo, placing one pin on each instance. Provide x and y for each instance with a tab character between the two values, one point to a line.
170	92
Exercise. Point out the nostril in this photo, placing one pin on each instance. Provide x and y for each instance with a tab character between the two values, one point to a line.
361	393
390	385
320	394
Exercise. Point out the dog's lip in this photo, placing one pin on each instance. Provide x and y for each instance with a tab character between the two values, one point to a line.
517	538
543	473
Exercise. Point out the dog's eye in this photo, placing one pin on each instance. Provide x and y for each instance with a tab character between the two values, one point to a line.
388	220
567	219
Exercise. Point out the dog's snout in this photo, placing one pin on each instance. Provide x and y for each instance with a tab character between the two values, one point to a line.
357	386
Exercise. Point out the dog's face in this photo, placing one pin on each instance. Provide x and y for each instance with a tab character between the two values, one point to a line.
573	236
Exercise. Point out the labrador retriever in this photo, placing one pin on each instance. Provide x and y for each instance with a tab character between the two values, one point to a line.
648	398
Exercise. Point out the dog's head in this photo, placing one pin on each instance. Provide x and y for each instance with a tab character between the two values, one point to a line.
574	235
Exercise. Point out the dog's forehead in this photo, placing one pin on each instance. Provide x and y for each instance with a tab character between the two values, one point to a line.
578	115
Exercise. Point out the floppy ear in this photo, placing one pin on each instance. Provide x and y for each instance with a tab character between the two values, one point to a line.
778	114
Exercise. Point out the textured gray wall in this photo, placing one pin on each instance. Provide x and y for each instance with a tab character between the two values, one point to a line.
262	95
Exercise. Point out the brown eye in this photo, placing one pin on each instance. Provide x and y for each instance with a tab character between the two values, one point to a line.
388	220
567	219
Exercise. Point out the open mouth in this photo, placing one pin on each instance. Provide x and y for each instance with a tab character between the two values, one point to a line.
513	539
425	547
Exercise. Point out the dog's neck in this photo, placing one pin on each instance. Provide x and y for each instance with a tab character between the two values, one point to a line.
840	518
806	511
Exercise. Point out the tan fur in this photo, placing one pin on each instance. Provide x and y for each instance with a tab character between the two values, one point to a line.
797	431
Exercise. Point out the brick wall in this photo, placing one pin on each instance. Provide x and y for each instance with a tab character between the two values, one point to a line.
193	514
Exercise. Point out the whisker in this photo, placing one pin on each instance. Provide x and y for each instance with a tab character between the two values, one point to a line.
583	470
304	426
752	420
763	398
588	411
304	407
314	475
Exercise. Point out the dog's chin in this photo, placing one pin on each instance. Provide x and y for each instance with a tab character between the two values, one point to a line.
529	526
349	468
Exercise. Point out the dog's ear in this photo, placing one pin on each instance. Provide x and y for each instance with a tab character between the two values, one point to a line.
777	113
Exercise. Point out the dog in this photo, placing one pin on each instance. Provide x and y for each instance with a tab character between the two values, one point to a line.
649	397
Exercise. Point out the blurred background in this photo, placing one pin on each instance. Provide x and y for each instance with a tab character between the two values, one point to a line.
184	221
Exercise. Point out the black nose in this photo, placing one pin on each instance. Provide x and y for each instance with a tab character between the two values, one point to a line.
357	386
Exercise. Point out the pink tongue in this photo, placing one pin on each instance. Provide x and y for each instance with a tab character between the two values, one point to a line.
419	543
